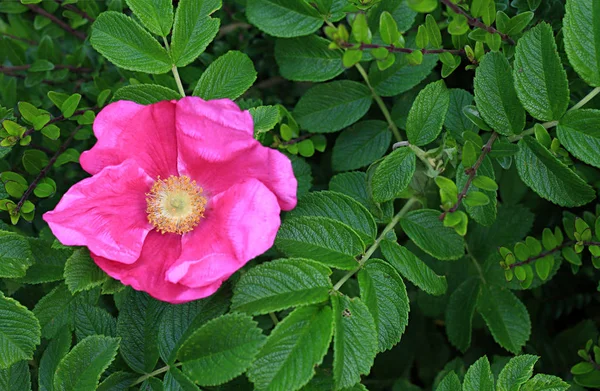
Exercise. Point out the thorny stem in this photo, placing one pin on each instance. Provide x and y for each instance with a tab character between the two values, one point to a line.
394	49
472	172
174	70
45	170
57	21
476	22
545	253
367	255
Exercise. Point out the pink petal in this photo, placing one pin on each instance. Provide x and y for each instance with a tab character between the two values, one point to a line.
240	225
128	130
106	213
148	272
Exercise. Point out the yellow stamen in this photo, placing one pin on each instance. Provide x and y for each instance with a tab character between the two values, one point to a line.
175	205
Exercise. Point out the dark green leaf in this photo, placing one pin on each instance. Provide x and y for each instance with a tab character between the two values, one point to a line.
582	38
579	132
360	145
307	59
229	76
283	18
145	94
426	229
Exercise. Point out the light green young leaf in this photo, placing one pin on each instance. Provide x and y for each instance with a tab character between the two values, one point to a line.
307	59
293	350
496	97
229	76
542	382
579	132
58	347
518	370
127	45
459	313
329	107
281	284
19	332
401	76
427	114
15	255
340	207
179	321
484	214
384	293
81	368
322	239
479	376
506	317
81	273
221	349
156	15
360	145
426	229
550	178
413	269
145	94
193	30
540	79
393	174
137	325
354	341
581	29
283	18
16	377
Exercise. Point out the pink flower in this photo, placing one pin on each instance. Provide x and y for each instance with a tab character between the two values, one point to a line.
181	196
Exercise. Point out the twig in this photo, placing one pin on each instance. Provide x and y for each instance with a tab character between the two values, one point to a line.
394	49
76	10
58	119
72	68
28	41
472	172
292	141
228	28
45	170
18	76
476	22
545	253
60	23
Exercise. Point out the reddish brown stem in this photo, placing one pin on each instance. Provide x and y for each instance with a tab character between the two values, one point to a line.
394	49
57	21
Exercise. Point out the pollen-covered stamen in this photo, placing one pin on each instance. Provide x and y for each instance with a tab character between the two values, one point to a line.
175	205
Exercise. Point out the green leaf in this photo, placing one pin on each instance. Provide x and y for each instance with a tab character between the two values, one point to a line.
295	347
124	43
579	132
16	377
322	239
34	161
496	97
479	376
19	332
281	284
179	321
340	207
118	381
229	76
516	372
175	380
413	269
427	114
388	29
193	30
506	317
484	214
156	15
329	107
450	382
393	174
146	94
265	118
137	325
459	313
550	178
401	76
53	354
540	79
360	145
81	368
283	18
581	29
221	349
15	255
545	383
426	229
81	273
307	59
384	293
456	121
92	320
354	341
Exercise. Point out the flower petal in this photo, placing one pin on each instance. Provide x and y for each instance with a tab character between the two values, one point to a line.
147	274
106	213
240	225
218	129
128	130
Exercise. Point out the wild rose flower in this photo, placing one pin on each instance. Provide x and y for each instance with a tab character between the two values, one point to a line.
181	196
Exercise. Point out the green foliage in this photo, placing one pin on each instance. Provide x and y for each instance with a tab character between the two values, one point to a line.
229	76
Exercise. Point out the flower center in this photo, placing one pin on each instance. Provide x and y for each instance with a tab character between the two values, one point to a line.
175	205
